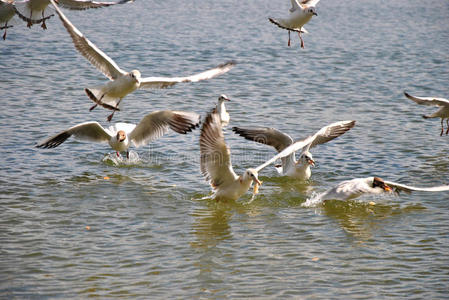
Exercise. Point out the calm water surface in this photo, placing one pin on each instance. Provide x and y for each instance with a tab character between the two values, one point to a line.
67	232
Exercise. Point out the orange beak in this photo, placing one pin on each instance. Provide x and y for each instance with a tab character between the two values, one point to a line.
387	188
311	162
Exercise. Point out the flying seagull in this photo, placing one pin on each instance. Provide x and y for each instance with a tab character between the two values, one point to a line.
300	168
122	135
216	164
122	83
442	113
300	13
36	11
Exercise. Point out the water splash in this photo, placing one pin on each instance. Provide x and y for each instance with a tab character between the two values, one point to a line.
113	159
314	200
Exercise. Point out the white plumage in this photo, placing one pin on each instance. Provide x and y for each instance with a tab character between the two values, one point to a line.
216	162
442	113
300	168
121	135
354	188
122	83
300	13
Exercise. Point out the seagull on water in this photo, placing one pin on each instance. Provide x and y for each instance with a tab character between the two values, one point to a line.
300	13
442	113
7	11
350	189
122	135
122	83
36	11
221	110
216	164
300	168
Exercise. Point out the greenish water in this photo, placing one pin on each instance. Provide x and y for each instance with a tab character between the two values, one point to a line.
147	229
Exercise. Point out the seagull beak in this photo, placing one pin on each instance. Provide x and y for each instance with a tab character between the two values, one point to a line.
315	14
387	188
311	162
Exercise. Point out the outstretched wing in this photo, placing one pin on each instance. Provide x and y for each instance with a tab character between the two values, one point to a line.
265	135
329	132
428	100
89	131
86	4
164	82
286	152
408	189
156	124
92	53
216	164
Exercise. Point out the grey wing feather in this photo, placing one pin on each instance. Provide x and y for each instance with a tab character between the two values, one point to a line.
89	131
156	124
92	53
432	101
330	132
265	135
87	4
164	82
406	188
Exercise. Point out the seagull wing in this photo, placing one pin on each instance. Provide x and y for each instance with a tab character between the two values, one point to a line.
295	5
286	152
156	124
164	82
329	132
309	2
408	189
428	100
265	135
216	164
89	131
88	49
86	4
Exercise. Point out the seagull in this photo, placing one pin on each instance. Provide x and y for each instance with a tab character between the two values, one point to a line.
6	13
299	169
216	164
442	113
122	83
35	11
221	110
122	135
350	189
300	13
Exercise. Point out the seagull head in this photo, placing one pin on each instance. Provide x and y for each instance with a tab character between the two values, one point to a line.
121	136
306	159
378	182
223	97
311	11
252	174
135	75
